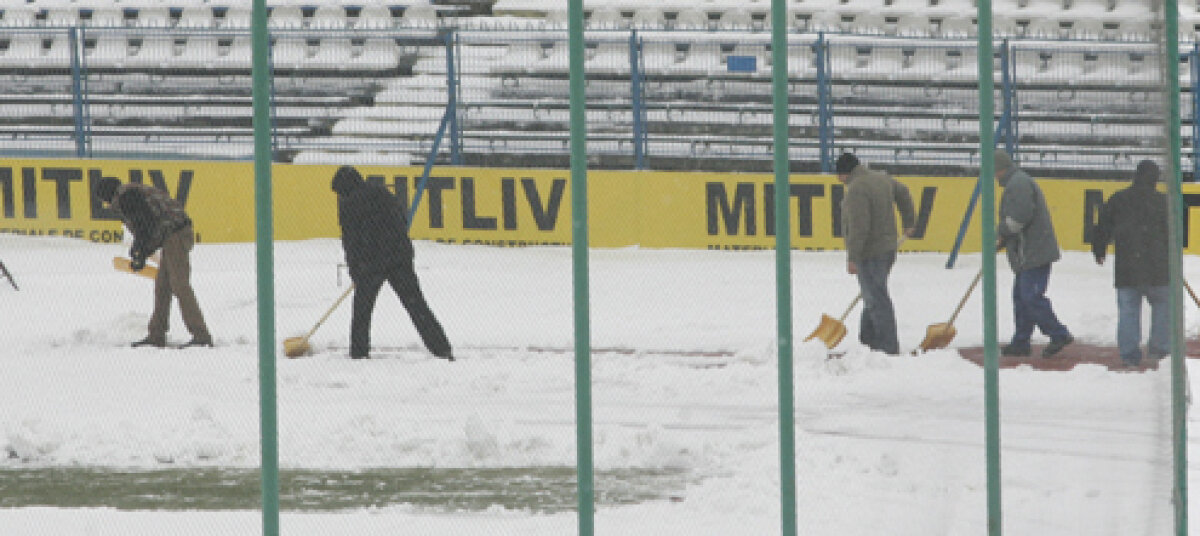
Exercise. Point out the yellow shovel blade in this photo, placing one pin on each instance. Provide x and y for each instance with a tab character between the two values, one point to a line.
938	336
830	331
125	265
294	347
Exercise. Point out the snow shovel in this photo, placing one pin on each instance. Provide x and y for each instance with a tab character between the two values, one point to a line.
294	347
831	331
126	265
939	335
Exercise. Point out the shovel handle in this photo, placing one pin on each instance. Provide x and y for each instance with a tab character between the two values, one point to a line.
963	301
1192	292
329	312
851	308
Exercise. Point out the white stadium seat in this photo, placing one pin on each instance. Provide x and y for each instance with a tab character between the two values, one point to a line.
156	52
107	17
374	16
648	17
111	51
154	17
328	16
195	16
19	16
285	17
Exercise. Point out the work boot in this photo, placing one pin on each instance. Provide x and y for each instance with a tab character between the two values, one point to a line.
1015	350
197	343
156	342
1056	346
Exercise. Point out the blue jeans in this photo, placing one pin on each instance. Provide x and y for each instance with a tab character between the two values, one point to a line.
1032	309
878	327
1129	322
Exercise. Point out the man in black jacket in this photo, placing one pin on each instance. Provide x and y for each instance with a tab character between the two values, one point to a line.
375	240
157	220
1134	220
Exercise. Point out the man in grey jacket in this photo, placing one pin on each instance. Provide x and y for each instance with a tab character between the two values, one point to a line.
1025	229
869	229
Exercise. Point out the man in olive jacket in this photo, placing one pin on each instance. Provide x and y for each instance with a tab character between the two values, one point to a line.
1025	229
1134	220
157	221
375	240
869	228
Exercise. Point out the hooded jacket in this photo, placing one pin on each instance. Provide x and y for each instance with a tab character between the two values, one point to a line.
869	213
1025	226
374	226
1134	220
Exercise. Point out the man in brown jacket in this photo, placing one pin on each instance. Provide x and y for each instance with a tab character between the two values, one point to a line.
156	220
869	229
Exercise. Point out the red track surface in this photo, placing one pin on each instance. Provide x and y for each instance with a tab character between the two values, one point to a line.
1078	353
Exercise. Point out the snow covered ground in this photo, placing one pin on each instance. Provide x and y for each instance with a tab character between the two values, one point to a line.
885	445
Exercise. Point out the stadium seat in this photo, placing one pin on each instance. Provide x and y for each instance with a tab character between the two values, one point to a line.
869	23
801	61
24	51
648	17
735	17
195	16
238	55
378	53
701	59
374	16
605	17
61	16
1044	28
420	15
156	52
611	57
521	57
328	16
691	19
285	17
199	52
333	53
153	17
912	25
659	57
1088	27
19	16
956	28
236	17
824	21
111	52
289	53
107	17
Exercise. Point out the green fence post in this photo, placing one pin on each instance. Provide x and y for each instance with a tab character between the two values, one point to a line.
264	237
987	213
1170	61
783	269
579	257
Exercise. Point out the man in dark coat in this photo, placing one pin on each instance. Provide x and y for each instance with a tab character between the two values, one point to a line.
869	228
1025	229
156	221
375	240
1134	220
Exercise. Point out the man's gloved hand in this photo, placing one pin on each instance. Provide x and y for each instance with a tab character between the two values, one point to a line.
138	259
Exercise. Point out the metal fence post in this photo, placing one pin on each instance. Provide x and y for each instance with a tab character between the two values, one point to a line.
82	123
636	96
824	111
452	85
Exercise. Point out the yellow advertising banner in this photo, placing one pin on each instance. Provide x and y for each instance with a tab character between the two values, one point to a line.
518	207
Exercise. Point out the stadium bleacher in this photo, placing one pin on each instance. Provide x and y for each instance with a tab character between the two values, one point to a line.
366	81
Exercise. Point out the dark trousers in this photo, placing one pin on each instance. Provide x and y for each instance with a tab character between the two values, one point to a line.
404	282
1032	309
878	327
175	280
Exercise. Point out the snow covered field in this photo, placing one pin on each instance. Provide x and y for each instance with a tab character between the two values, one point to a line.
885	445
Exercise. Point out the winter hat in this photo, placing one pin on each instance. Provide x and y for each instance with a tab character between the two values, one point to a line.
846	163
346	180
106	188
1147	172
